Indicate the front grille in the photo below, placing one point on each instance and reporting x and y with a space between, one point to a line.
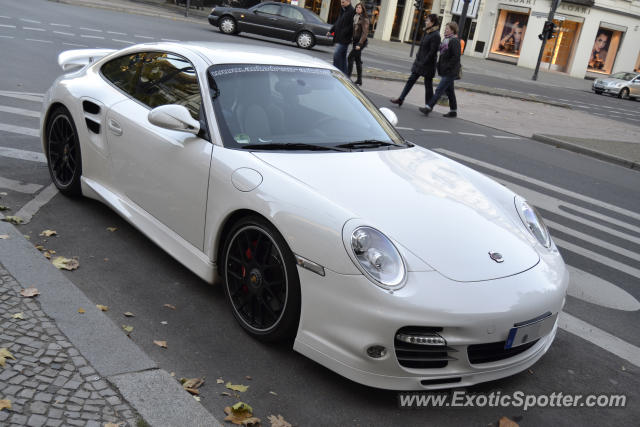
420 356
492 352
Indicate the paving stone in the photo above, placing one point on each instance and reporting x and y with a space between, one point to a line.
19 419
54 423
92 424
55 413
27 393
39 408
18 379
11 390
36 421
114 400
72 385
85 370
90 416
74 408
7 373
44 397
90 408
76 422
82 394
72 414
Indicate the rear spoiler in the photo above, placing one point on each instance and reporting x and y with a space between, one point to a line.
80 57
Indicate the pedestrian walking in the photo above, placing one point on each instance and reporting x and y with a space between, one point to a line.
360 33
343 35
425 62
448 69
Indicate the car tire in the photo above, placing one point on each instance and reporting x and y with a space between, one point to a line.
260 280
228 25
62 150
305 40
624 93
598 92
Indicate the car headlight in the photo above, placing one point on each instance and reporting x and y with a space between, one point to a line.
533 222
619 84
378 258
211 13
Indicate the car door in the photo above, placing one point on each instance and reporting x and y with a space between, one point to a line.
264 20
164 172
634 87
291 21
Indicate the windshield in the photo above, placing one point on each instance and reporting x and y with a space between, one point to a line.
278 105
623 76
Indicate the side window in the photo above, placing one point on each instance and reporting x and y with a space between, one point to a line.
123 72
270 9
292 13
168 79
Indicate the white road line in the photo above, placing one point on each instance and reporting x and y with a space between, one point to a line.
169 40
33 29
7 26
29 20
64 33
39 41
60 25
87 36
14 153
506 137
143 37
593 256
19 111
27 96
18 186
436 130
19 130
590 288
5 17
533 181
403 128
472 134
7 37
602 339
122 41
116 33
33 206
75 44
91 29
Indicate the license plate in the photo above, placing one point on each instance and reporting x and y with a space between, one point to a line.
524 334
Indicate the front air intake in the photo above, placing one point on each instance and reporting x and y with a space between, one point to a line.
422 348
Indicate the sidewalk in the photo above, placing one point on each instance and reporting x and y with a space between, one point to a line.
63 367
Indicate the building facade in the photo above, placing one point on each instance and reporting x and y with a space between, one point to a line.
592 38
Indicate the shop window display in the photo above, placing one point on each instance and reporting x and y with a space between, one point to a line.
605 48
510 30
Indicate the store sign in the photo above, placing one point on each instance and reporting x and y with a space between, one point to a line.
472 11
575 8
522 2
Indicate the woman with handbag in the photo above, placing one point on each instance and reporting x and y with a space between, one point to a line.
360 33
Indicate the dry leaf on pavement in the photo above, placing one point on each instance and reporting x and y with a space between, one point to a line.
172 307
112 229
4 236
29 292
191 384
220 381
61 263
81 310
129 314
225 393
102 307
128 329
4 208
278 421
506 422
13 219
249 377
197 398
236 387
273 392
241 414
4 355
18 316
49 233
47 254
5 404
120 424
162 344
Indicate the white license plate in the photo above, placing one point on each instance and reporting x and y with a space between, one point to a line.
524 334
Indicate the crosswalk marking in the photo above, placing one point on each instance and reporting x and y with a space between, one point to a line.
14 153
18 186
472 134
39 41
19 129
593 289
33 206
506 137
19 111
26 96
436 130
7 26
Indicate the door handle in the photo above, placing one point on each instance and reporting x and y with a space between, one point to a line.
114 127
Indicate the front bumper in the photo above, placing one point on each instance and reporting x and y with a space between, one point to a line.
323 40
606 89
213 20
343 315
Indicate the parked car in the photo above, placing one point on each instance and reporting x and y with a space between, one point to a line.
623 84
278 20
271 174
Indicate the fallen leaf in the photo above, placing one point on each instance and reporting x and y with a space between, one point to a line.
220 381
274 393
172 307
249 377
26 237
162 344
241 414
47 254
164 322
193 391
624 368
120 424
225 393
106 260
5 404
102 307
531 371
40 247
4 355
4 236
129 314
236 387
81 310
13 219
197 398
51 251
65 263
128 329
506 422
49 233
3 208
18 316
278 421
112 229
173 374
29 292
191 382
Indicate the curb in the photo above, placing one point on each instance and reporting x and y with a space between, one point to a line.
151 391
558 142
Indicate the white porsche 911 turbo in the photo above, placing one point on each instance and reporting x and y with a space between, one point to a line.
271 173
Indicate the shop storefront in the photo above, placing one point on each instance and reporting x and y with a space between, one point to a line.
511 27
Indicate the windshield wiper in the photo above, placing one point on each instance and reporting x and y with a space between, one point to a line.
292 146
366 143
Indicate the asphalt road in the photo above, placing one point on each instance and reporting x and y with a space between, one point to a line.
592 208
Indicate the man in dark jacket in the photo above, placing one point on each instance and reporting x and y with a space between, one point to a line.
425 62
448 69
343 35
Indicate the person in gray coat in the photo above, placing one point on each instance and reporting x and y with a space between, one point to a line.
425 62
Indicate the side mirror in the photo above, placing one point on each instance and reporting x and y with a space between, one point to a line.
174 117
390 115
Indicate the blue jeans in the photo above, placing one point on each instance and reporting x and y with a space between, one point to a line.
445 86
340 57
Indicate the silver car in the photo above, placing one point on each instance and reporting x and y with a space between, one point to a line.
623 84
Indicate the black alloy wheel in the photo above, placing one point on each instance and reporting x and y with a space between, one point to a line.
63 152
624 93
261 280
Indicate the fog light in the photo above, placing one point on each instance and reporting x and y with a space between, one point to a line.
376 351
422 339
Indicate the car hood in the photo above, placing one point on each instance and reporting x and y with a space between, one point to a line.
430 205
612 81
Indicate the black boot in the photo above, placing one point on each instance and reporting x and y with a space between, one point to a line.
359 71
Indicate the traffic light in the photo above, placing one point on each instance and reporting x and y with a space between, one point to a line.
547 30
